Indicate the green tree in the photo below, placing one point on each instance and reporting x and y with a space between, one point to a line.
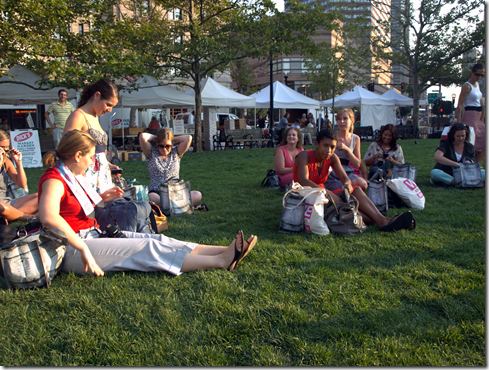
429 40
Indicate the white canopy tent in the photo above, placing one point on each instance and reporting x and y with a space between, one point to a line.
400 99
216 95
376 111
19 94
284 97
151 94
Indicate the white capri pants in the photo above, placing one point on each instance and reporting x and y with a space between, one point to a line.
137 252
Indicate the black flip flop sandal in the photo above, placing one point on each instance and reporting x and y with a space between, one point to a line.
403 221
201 207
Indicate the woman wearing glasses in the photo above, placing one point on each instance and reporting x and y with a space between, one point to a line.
164 160
474 115
453 150
23 207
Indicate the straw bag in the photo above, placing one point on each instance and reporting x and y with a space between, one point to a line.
160 218
34 259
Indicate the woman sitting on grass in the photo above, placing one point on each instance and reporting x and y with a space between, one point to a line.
66 200
12 209
163 160
453 150
311 168
384 153
348 151
290 146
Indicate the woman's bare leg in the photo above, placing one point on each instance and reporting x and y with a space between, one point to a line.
28 204
367 207
154 198
360 181
10 213
196 197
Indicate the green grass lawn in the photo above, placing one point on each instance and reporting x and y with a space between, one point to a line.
393 299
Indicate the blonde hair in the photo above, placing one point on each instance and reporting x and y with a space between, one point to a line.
351 117
4 135
164 134
72 142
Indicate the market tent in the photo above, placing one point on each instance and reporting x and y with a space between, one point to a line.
400 99
18 94
376 111
216 95
283 97
151 94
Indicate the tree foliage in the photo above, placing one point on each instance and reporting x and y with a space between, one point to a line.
429 40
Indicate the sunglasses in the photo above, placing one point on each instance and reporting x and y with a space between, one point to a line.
460 125
167 147
6 151
478 74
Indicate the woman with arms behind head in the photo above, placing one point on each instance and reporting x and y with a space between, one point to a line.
384 153
95 100
311 168
348 151
474 114
285 154
23 207
67 200
163 160
453 150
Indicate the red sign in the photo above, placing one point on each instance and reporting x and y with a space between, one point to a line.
23 136
116 122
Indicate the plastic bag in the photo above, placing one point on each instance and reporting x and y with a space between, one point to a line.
408 191
141 190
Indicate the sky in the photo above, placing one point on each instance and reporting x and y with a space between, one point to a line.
446 91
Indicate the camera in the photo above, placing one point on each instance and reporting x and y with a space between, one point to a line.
385 155
113 231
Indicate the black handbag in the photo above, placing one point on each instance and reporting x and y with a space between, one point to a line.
271 180
343 217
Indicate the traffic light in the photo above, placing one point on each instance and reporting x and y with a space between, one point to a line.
403 85
439 101
371 87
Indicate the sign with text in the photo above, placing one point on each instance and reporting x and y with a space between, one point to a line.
27 142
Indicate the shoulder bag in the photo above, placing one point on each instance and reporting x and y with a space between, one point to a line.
468 176
292 220
405 171
33 260
161 222
343 217
271 180
377 192
175 198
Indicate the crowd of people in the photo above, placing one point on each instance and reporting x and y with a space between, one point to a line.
79 178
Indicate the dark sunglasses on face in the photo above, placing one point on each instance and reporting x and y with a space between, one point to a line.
478 74
167 147
6 151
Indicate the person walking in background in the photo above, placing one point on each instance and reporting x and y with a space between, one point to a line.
261 121
320 121
61 110
474 115
282 125
154 126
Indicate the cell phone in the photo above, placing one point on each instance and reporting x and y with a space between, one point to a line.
386 155
115 172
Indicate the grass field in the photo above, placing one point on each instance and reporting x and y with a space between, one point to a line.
408 298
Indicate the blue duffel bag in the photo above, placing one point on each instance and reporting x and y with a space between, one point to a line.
130 215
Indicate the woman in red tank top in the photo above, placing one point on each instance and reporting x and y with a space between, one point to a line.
311 168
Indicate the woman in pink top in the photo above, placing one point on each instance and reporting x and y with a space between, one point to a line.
285 154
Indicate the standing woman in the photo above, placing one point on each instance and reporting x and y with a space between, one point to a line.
95 100
163 160
348 151
474 115
285 154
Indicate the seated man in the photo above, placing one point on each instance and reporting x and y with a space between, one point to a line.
154 126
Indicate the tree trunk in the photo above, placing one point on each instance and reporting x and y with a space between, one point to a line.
132 117
416 94
198 121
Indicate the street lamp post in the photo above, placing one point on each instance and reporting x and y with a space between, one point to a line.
453 102
286 77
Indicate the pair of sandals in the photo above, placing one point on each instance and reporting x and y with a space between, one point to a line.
403 221
201 207
246 247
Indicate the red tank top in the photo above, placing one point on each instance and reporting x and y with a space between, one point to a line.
69 208
312 167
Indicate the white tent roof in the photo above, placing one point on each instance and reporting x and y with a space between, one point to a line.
400 100
283 97
216 95
152 95
17 94
356 98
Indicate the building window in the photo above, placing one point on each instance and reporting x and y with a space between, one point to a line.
175 14
80 28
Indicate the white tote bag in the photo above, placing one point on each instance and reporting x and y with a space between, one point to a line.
314 199
408 191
